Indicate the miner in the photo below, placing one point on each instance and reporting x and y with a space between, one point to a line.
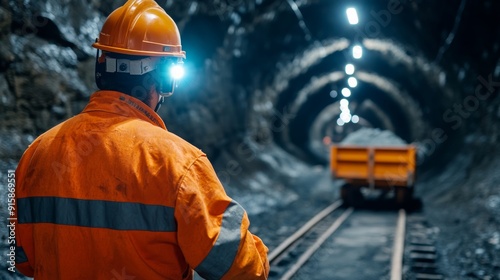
112 194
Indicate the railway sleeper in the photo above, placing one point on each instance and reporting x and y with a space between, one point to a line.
424 276
423 257
422 249
421 253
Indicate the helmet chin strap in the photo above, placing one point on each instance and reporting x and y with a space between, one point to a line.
163 93
161 99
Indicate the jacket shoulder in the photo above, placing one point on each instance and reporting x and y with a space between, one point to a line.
172 143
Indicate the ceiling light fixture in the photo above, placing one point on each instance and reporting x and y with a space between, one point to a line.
357 52
352 16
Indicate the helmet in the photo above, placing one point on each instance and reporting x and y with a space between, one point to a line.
140 27
137 38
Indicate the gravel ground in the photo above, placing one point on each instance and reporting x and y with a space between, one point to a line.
361 249
316 191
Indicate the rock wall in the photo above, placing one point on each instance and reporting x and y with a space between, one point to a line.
47 74
235 49
43 77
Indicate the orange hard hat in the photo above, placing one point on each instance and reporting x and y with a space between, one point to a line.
140 27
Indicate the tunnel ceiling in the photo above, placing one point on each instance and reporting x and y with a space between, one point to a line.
269 69
417 55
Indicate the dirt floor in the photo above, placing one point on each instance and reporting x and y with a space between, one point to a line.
461 203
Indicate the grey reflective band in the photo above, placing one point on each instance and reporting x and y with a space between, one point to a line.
20 255
96 213
221 256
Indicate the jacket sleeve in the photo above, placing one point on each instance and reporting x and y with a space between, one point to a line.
212 229
24 232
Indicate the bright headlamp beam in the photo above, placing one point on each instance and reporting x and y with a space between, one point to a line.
352 16
177 72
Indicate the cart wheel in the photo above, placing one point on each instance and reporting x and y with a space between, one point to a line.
351 196
344 194
403 196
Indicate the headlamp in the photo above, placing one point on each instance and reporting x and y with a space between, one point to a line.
177 71
167 70
171 71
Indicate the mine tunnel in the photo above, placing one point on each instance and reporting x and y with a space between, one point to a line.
271 85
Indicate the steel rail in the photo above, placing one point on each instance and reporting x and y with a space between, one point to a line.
398 247
311 250
273 256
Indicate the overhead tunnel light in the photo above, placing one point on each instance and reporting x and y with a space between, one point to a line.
344 103
349 69
352 82
346 92
355 119
345 116
352 16
357 52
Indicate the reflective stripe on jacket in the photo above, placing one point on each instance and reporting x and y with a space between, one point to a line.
111 194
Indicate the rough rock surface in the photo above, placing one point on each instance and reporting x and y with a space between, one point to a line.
46 76
463 202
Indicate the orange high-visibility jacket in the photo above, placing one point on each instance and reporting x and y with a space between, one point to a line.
111 194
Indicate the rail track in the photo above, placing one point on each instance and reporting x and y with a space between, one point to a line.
294 253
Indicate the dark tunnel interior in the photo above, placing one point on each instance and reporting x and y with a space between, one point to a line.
271 84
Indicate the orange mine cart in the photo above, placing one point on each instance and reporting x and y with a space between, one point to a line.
385 168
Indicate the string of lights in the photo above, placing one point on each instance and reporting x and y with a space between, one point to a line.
350 69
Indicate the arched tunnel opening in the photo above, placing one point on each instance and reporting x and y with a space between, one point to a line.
272 86
407 107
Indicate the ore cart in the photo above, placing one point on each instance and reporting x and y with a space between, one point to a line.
390 169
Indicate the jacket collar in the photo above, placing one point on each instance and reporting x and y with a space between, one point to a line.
122 104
